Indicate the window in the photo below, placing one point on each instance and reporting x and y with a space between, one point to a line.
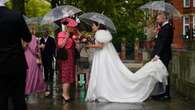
186 27
193 28
193 3
186 3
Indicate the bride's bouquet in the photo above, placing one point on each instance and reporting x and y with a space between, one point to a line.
86 37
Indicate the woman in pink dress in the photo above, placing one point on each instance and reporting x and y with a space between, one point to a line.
66 40
34 79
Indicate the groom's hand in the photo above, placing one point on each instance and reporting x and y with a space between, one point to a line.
156 57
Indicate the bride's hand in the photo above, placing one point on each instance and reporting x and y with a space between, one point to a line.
156 57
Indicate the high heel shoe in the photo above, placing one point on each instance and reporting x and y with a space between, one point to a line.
66 100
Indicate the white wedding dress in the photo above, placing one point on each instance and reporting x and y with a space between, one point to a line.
112 81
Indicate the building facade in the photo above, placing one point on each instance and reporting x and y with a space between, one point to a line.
184 27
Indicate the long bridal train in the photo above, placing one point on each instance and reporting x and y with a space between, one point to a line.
112 81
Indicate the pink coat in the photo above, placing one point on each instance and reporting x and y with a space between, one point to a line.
69 42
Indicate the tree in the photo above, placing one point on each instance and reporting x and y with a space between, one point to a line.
128 19
37 7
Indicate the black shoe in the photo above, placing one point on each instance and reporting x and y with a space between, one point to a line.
155 97
166 97
158 97
66 100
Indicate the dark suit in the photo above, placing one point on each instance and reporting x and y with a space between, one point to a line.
12 60
162 47
163 42
47 57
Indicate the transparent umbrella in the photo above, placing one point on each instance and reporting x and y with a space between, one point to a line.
50 27
59 12
34 20
100 18
161 6
37 22
25 17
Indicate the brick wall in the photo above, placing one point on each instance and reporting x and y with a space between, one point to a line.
178 22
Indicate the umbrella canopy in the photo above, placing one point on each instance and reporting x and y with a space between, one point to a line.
100 18
34 20
161 6
41 27
51 27
25 18
59 12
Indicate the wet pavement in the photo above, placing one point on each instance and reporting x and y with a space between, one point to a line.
56 103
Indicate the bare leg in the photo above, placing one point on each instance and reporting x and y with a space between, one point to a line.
66 88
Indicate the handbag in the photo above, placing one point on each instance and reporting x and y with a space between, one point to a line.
62 54
77 53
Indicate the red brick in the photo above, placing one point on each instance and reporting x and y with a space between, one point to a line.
178 22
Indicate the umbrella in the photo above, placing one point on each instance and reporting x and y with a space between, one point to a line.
161 6
34 20
25 17
51 26
41 27
59 12
100 18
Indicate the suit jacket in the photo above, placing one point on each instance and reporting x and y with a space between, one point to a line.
12 29
49 51
163 42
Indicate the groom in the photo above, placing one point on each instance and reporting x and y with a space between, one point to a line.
162 48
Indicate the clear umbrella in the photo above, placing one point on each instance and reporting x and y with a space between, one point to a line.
100 18
25 17
37 22
50 27
161 6
59 12
34 20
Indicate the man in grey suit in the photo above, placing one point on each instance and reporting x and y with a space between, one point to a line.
13 65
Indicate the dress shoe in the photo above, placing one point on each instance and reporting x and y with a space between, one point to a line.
166 97
65 100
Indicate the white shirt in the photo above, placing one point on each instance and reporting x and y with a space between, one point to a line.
166 22
45 39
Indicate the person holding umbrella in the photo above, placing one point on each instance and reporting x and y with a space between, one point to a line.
162 50
110 80
66 41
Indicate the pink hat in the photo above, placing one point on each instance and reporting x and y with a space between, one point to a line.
71 22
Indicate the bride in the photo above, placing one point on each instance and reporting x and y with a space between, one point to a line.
112 81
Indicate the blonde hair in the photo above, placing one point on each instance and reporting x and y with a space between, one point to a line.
32 29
